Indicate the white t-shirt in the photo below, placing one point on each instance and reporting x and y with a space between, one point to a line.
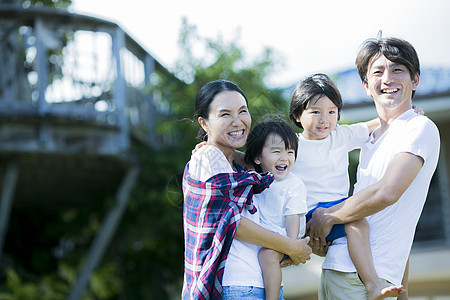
283 198
392 229
207 162
323 164
242 266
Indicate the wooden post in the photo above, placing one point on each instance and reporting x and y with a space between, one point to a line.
41 65
103 238
120 95
9 186
149 69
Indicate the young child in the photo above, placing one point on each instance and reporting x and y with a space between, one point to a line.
322 164
272 146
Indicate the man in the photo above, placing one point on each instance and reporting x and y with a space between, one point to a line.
395 170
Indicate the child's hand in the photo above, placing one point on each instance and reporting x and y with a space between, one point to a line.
418 110
286 263
198 146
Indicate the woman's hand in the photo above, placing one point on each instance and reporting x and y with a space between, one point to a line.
198 146
300 251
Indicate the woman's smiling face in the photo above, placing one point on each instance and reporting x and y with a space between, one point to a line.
228 122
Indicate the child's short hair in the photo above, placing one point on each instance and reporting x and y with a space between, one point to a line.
311 88
269 124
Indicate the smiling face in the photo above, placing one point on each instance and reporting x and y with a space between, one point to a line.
275 158
228 122
318 119
390 84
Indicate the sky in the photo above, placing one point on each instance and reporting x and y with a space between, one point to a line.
307 36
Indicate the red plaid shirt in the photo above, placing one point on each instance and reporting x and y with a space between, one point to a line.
211 215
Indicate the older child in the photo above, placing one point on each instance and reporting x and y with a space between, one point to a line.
323 166
272 147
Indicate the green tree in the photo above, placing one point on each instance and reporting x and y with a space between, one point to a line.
51 3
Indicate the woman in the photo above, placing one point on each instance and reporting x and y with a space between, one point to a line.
218 204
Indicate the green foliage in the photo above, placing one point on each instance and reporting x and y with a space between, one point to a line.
103 285
218 60
54 3
149 243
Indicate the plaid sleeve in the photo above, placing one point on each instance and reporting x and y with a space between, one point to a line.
211 215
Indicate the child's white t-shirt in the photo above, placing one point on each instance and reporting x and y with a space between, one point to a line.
323 164
282 198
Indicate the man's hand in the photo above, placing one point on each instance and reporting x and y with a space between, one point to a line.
300 252
318 229
318 249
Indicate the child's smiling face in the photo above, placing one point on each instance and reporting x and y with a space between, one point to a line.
319 118
275 158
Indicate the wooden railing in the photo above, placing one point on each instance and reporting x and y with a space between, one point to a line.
74 90
66 71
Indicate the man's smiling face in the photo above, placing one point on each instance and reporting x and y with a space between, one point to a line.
390 83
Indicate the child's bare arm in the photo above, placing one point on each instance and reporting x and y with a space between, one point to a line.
292 226
373 124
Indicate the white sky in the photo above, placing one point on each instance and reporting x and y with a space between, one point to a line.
310 36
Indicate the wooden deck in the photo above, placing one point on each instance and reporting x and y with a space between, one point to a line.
73 93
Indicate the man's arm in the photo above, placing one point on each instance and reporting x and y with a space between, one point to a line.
401 172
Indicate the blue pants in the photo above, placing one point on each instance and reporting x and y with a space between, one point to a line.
246 293
338 230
